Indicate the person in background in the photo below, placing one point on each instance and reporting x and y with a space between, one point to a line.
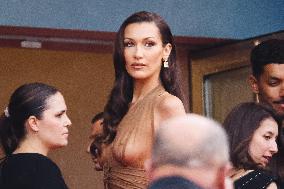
96 130
267 79
253 132
189 152
34 123
267 82
146 91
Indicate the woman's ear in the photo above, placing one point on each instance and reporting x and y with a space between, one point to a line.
253 84
167 51
33 123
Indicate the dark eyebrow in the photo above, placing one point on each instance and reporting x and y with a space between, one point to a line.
62 111
271 133
143 39
149 37
272 77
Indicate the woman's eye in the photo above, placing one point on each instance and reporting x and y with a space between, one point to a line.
128 44
59 115
149 44
267 137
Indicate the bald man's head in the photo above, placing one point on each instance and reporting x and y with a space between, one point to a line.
190 141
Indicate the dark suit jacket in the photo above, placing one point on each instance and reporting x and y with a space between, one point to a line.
173 182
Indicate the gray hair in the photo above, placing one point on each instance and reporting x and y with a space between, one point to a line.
190 141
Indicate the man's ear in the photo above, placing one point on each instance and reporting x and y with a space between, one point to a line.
223 180
253 84
33 123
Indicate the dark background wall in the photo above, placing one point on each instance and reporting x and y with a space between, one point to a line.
236 19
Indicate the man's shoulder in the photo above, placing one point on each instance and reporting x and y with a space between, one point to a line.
173 182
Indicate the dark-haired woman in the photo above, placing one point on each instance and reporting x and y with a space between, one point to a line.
253 132
34 123
145 93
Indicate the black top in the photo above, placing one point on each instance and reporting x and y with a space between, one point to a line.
30 171
256 179
173 182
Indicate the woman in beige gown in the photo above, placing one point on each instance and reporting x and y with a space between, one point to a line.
145 93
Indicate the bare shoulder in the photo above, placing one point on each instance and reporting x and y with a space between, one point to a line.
170 104
167 107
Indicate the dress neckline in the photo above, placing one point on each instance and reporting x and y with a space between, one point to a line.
146 96
240 173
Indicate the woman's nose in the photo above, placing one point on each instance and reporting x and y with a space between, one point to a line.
274 148
68 121
138 52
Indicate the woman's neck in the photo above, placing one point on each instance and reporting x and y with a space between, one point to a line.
238 173
28 146
142 88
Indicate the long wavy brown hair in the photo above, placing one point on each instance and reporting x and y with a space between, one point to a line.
122 91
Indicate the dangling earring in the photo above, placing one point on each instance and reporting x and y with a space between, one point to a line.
256 98
165 63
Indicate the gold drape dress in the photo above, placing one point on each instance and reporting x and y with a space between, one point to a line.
124 168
